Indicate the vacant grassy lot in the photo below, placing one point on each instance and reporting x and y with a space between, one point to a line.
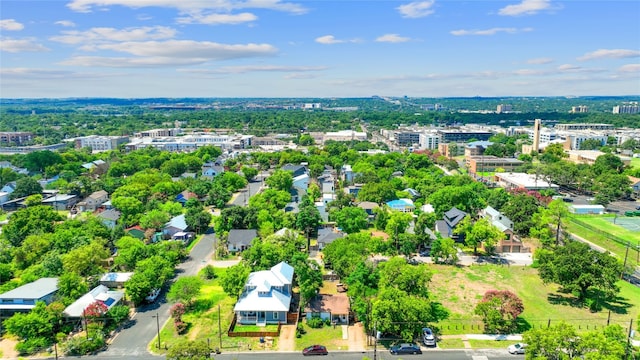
202 318
459 289
635 162
327 335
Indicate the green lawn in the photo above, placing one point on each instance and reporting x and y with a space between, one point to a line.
451 343
635 162
490 344
203 322
605 223
327 335
460 289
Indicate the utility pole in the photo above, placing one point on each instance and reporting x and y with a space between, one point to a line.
219 329
157 316
626 254
375 340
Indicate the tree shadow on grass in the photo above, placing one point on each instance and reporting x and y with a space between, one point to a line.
522 325
201 306
615 304
566 300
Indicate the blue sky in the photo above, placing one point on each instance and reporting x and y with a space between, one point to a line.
341 48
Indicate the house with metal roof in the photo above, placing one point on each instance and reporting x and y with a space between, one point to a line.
266 298
175 225
23 298
100 293
404 205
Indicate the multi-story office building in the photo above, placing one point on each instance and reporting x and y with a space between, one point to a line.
503 108
429 141
574 127
100 143
477 164
406 138
579 109
447 136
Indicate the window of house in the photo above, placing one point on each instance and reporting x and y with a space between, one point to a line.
275 315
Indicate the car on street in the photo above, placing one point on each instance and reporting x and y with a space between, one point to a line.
153 295
428 337
405 349
315 350
517 348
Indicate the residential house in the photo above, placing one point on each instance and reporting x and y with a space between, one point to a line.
511 242
296 170
175 225
322 206
450 221
93 201
413 192
353 189
97 167
266 298
61 201
347 173
100 293
23 298
301 183
9 187
240 239
327 184
115 279
212 169
18 170
185 196
403 205
334 307
109 218
369 207
328 235
4 197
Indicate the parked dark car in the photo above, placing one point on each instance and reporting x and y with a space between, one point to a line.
315 350
405 349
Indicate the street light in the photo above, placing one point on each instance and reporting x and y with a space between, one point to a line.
157 316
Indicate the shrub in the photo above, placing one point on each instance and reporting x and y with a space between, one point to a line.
177 311
33 345
315 322
80 345
181 326
208 272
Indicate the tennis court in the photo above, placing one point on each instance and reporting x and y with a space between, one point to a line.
627 222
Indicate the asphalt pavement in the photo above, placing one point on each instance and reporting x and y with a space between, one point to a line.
132 341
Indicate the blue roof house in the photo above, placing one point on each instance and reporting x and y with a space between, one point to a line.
404 205
266 297
24 298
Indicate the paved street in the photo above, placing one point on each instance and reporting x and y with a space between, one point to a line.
132 341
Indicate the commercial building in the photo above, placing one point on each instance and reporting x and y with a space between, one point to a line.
510 180
574 127
429 141
490 163
631 108
447 136
100 143
405 138
345 135
15 138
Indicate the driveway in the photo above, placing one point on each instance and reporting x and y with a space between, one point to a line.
132 341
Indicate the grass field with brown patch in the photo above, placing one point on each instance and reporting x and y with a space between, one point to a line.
460 289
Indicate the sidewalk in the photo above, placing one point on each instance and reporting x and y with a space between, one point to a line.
467 345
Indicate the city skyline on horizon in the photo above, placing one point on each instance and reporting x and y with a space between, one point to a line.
313 49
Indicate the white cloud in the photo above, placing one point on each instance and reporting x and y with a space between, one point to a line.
190 6
10 25
629 68
255 68
298 76
45 74
526 7
104 34
610 54
540 61
491 31
65 23
416 9
21 45
392 38
123 62
330 40
191 49
569 67
170 53
217 19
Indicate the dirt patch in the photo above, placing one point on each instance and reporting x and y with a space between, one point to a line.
378 233
460 290
7 349
357 339
287 340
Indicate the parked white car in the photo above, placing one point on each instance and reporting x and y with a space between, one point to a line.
153 295
517 348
